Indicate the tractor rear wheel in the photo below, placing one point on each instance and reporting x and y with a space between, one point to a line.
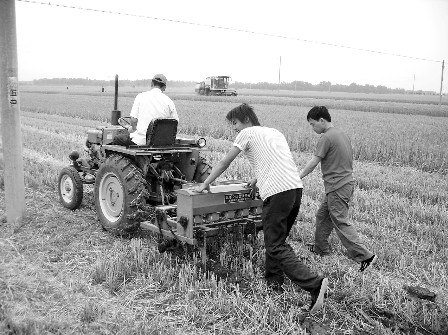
70 188
119 191
203 170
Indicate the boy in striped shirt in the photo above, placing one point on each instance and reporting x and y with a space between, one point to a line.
280 188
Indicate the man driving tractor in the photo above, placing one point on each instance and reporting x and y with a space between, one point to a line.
147 106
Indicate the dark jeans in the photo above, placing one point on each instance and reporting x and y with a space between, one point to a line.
123 139
279 214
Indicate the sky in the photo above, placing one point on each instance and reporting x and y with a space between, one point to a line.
316 40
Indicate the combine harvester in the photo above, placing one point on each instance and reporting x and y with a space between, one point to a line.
218 85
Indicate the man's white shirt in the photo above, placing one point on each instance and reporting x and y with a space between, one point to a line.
148 106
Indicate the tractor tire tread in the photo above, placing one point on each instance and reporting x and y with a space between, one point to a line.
78 191
136 194
203 170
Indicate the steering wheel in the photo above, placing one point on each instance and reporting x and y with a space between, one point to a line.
125 122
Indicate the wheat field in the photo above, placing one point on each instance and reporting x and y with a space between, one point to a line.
60 273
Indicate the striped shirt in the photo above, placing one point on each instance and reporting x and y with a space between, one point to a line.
270 157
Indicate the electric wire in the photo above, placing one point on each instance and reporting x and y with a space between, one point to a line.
227 28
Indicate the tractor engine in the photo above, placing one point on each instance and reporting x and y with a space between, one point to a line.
96 138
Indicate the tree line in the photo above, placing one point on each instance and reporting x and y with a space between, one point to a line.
325 86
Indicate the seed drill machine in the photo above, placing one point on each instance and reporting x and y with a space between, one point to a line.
150 186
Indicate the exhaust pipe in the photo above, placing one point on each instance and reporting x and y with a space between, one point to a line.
116 114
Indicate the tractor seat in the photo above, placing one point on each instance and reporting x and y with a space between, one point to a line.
161 132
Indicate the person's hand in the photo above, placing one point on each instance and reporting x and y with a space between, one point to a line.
201 188
252 184
130 129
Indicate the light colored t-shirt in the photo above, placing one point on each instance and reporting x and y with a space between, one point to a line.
148 106
270 157
335 149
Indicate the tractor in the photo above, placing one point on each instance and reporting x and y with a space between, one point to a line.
127 179
218 85
150 186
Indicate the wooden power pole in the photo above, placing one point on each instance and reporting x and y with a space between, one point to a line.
279 71
441 84
10 115
413 86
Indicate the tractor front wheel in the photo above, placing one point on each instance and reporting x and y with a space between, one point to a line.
119 191
70 188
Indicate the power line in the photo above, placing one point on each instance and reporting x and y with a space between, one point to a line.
227 28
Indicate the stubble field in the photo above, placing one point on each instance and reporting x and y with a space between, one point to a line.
60 273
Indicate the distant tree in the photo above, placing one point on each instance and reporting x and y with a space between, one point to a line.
324 86
294 85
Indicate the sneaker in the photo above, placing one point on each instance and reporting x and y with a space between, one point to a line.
317 296
311 247
275 287
368 262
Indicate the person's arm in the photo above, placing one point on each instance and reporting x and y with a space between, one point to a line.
252 184
218 169
134 114
174 111
134 121
309 167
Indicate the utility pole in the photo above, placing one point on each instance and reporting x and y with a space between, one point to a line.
413 85
279 70
441 84
10 115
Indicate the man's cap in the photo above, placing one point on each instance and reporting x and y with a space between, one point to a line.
160 78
